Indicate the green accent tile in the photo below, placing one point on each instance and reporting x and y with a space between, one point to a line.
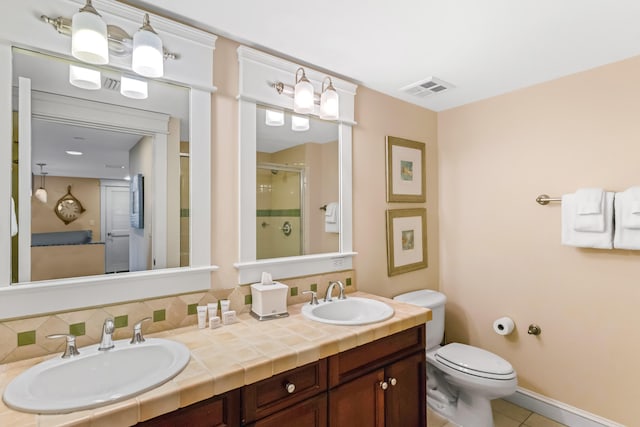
294 292
121 321
192 309
247 300
314 287
159 315
278 212
348 281
184 213
26 338
77 329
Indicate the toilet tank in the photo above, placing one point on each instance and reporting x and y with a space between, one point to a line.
432 300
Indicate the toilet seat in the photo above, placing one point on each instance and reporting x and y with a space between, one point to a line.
474 361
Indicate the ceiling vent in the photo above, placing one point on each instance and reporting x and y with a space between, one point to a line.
427 87
111 84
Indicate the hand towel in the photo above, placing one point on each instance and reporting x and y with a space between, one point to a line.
589 205
627 233
14 221
332 218
629 207
587 239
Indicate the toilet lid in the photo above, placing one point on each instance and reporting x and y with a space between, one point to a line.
474 361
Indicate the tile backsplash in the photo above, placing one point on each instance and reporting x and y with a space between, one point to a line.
27 337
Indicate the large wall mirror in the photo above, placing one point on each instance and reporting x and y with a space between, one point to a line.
295 181
130 189
297 185
91 145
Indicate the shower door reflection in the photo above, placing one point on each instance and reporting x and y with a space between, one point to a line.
279 216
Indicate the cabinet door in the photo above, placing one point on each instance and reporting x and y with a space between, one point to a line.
218 411
405 403
358 403
309 413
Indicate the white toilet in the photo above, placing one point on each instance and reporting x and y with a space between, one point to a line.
461 379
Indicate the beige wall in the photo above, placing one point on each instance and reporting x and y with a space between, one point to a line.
377 116
501 251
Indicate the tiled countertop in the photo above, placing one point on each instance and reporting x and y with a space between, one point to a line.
224 359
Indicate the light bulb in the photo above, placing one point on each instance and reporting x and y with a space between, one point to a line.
148 55
89 36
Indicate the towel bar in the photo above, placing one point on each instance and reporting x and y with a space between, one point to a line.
544 199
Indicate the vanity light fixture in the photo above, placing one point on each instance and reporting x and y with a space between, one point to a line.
304 98
148 57
92 41
274 117
133 88
329 101
89 36
41 193
84 78
299 123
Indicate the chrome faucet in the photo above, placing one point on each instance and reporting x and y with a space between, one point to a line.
327 297
70 350
106 342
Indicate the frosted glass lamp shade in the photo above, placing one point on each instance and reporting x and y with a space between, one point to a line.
329 105
303 97
41 195
133 88
299 123
89 38
274 117
84 78
148 56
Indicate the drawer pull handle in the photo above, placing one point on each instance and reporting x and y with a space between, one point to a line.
291 387
393 381
384 385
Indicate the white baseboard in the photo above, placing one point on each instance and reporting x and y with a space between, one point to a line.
557 411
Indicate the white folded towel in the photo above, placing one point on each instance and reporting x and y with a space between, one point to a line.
589 205
627 216
587 239
629 208
14 221
332 218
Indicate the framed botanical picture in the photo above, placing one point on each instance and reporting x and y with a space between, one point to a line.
406 240
406 174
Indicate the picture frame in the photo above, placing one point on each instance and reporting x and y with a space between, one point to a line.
406 173
136 202
406 240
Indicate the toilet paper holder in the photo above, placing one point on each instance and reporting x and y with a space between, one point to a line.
534 329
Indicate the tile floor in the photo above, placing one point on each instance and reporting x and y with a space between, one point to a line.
505 414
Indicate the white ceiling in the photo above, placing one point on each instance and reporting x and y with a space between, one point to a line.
484 48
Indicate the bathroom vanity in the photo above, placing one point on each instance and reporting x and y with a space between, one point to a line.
286 372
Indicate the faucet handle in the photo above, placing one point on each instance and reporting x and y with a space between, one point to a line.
137 332
70 350
314 297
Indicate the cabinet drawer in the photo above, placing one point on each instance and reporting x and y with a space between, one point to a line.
271 395
365 358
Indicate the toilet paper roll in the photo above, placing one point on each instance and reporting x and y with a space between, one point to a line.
503 326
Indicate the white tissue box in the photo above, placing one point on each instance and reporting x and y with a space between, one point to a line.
269 301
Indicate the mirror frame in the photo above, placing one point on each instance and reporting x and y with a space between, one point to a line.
22 28
258 72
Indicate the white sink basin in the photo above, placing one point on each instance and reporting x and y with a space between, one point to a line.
350 311
96 378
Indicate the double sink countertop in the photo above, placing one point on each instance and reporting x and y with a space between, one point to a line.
224 359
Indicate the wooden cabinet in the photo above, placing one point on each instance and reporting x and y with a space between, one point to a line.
380 384
218 411
284 390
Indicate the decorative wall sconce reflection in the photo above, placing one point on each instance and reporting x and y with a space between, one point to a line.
273 117
92 40
304 98
299 123
41 193
84 78
134 88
